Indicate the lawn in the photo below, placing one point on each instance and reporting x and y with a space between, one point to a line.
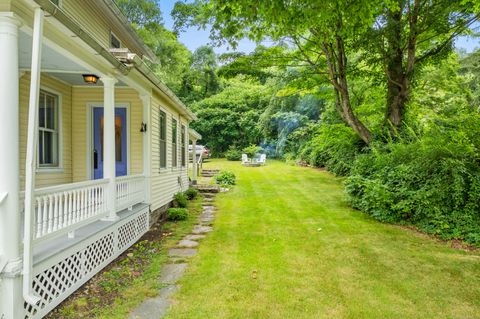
287 245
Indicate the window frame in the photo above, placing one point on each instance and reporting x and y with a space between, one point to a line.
46 168
162 156
114 36
174 141
183 138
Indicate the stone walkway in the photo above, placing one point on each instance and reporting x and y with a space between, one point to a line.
173 270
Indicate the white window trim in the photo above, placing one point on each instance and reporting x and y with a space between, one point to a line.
112 34
163 169
185 145
59 168
176 167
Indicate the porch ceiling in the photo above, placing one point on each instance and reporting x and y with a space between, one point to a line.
54 63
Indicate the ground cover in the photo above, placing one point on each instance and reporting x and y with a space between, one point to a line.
287 245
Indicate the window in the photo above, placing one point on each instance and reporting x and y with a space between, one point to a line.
174 143
48 154
183 145
163 139
115 42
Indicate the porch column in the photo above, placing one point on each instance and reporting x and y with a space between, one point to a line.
194 162
147 152
11 301
109 161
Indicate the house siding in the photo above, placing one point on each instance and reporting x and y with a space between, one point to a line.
83 98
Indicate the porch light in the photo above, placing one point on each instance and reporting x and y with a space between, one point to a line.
90 78
143 127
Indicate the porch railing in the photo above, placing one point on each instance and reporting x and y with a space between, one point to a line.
130 191
64 208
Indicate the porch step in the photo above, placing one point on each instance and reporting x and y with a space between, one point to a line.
209 172
204 188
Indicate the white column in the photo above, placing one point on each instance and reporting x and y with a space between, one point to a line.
109 144
194 162
147 152
11 301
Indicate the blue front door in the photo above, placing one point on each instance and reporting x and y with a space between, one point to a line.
120 141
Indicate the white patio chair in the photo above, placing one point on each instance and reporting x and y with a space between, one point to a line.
263 159
245 159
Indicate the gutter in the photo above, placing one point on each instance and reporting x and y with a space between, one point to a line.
61 16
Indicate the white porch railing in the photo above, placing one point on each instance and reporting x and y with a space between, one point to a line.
130 191
64 208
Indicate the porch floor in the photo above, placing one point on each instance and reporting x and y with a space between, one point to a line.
49 248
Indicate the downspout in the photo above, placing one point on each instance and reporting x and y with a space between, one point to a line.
31 160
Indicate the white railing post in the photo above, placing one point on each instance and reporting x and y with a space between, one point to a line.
11 301
109 144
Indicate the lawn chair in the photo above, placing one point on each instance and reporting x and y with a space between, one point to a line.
245 159
263 159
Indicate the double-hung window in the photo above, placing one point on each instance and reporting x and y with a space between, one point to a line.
48 130
174 142
183 145
163 140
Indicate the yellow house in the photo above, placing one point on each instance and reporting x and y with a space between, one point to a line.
92 147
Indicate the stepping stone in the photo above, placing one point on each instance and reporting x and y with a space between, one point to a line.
172 272
182 252
194 237
209 199
155 307
185 243
199 229
208 195
208 208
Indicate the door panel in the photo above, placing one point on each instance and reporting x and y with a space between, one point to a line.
120 142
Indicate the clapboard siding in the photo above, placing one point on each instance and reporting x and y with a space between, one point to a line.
62 175
164 182
83 98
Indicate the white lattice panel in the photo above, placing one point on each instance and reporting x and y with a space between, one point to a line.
54 283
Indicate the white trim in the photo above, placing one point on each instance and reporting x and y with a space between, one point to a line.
163 169
89 135
60 167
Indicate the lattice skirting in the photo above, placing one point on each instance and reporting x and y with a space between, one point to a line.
58 277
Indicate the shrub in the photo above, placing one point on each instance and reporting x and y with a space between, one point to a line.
252 150
180 200
174 214
191 193
225 178
233 155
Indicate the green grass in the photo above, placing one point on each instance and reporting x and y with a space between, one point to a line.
287 245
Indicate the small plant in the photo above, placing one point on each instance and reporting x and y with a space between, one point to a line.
191 193
252 150
233 154
180 200
174 214
225 178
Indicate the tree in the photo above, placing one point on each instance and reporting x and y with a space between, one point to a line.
327 34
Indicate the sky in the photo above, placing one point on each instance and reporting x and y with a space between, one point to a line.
194 38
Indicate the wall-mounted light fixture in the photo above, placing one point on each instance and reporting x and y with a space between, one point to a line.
143 127
90 78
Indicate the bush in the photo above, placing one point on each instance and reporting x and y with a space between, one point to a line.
180 200
191 193
433 183
225 178
233 155
174 214
252 150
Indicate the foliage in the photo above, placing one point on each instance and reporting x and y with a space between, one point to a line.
174 214
252 150
180 200
191 193
225 178
233 154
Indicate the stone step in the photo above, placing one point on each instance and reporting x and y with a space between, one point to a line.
204 188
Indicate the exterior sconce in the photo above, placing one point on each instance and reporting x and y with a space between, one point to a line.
90 78
143 127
